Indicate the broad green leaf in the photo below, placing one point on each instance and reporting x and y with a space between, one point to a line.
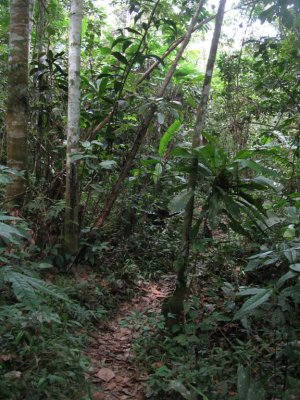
179 387
167 137
253 303
243 382
160 118
179 202
9 218
285 277
118 40
256 167
102 86
80 156
295 267
255 392
120 57
268 182
84 27
108 164
289 232
4 179
291 255
250 291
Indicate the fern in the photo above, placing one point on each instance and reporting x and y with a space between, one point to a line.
29 290
11 233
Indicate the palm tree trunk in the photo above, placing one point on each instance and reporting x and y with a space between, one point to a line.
72 190
17 101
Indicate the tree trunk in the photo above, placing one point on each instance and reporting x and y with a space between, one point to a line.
42 83
174 304
144 127
17 101
72 190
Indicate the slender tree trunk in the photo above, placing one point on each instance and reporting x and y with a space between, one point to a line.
17 101
173 46
174 304
42 82
72 190
141 133
149 71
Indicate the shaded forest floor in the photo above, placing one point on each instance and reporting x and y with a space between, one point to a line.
113 372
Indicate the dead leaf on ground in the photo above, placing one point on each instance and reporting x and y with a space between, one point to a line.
106 374
98 396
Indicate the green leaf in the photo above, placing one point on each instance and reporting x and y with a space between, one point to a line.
295 267
179 202
80 156
167 137
118 40
120 57
254 302
198 391
10 232
179 387
268 182
29 289
9 218
102 86
160 118
246 163
243 382
285 277
289 232
108 164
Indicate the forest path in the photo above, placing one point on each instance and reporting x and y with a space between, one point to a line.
110 349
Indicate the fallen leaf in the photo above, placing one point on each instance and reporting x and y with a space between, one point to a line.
106 374
13 375
6 357
111 386
98 396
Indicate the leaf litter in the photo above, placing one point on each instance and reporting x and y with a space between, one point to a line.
113 369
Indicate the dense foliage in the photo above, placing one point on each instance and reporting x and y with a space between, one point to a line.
238 335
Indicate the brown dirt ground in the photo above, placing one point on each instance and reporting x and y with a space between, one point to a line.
113 372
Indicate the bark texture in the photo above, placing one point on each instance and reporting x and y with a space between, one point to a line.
17 100
72 190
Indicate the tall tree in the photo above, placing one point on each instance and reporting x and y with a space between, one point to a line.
72 190
174 304
17 101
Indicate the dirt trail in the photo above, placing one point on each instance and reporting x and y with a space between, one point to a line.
110 351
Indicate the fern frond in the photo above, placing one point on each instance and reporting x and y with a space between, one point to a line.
29 290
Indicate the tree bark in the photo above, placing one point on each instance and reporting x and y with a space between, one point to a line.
17 100
72 190
141 133
197 140
175 303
